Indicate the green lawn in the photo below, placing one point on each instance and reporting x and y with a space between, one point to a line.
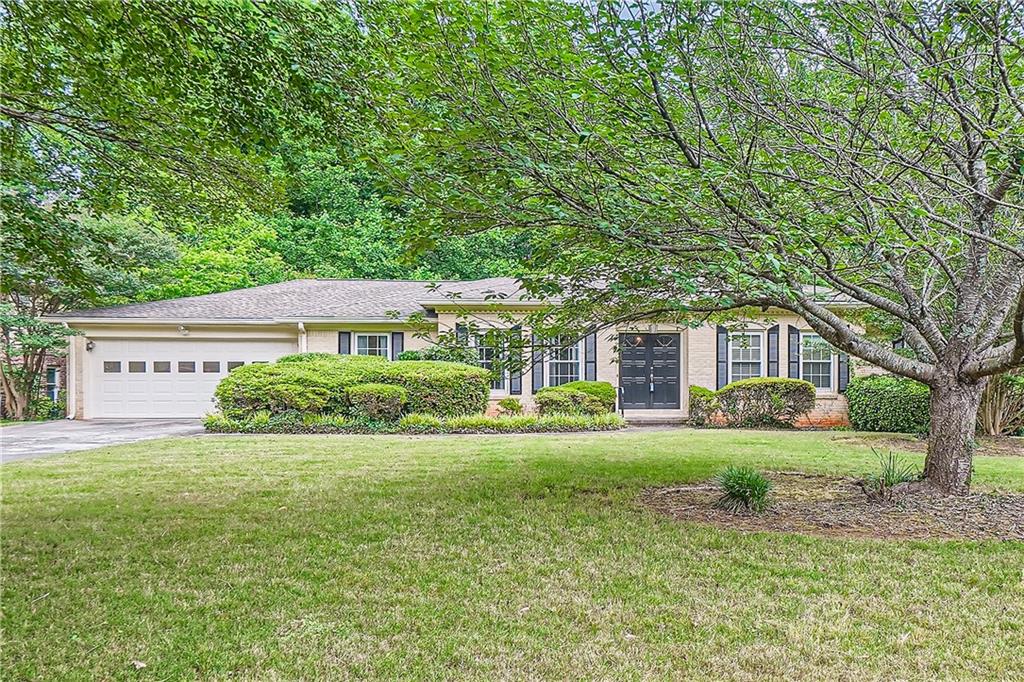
467 557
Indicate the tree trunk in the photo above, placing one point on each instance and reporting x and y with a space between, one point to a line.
954 417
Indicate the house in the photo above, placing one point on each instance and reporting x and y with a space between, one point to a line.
163 359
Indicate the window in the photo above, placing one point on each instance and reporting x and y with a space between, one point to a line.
372 344
745 355
232 364
161 366
135 367
186 367
816 361
52 383
111 367
488 352
211 367
564 361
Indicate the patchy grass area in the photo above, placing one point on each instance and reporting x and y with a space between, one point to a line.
469 557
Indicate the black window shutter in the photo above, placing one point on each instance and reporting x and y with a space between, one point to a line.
537 365
722 345
345 343
844 372
397 344
590 357
515 371
794 352
773 351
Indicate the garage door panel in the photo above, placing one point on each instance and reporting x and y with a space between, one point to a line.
173 393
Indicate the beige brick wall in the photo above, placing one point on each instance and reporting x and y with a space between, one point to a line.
326 340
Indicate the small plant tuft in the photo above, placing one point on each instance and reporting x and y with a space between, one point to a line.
882 485
509 407
743 489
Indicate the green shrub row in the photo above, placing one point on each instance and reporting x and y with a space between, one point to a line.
317 383
577 397
758 402
888 403
416 423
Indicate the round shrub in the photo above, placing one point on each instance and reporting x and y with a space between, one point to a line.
377 402
602 390
510 406
450 353
765 401
308 357
888 403
561 400
410 355
445 389
703 405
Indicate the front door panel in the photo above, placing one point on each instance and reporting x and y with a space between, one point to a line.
649 371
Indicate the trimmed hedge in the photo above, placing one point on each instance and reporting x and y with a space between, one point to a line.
765 401
321 385
888 403
377 401
416 423
577 397
703 405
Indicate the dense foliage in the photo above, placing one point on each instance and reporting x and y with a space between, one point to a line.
765 401
578 397
322 386
888 403
377 402
703 406
414 423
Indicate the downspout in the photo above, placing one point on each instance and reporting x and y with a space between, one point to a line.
302 338
69 377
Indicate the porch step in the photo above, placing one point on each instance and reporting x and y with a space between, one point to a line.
654 421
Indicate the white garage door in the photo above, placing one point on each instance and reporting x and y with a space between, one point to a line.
166 378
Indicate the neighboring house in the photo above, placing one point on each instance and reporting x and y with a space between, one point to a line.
164 358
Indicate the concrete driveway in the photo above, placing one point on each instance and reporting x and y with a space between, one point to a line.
27 441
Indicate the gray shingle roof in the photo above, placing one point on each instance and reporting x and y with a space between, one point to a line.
342 299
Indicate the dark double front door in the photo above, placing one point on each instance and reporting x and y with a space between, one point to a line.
649 371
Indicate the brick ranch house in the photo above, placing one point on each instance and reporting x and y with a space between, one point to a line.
163 359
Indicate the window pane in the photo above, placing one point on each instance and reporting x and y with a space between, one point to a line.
745 351
564 365
136 367
234 363
111 367
186 367
211 367
817 361
372 344
161 366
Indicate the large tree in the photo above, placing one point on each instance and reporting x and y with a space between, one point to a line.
697 157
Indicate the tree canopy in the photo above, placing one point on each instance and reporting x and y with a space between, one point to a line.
688 158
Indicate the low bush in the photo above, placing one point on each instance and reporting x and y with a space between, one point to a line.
565 400
743 489
410 355
703 406
888 403
602 390
509 407
377 402
318 385
416 423
318 357
765 401
450 353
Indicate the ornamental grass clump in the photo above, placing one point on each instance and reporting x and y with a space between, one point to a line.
893 473
743 489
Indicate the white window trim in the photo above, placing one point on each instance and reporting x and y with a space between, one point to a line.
387 343
474 343
548 360
764 350
833 378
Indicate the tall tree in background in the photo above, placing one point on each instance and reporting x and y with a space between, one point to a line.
701 157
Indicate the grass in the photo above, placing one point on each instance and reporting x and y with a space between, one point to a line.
503 557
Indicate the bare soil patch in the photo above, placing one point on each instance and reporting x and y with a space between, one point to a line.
989 446
837 507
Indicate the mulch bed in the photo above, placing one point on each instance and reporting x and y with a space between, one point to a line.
837 507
